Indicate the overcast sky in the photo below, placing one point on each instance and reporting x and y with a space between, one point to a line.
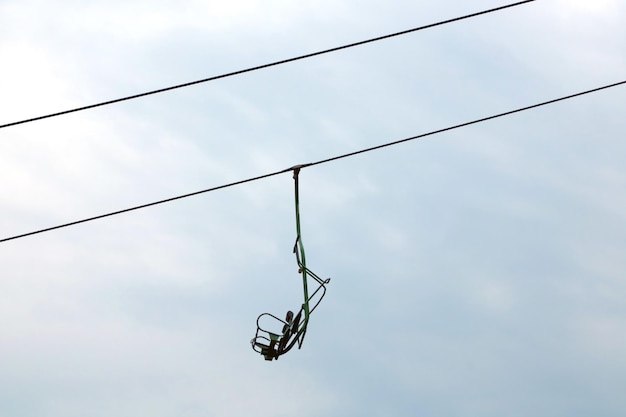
478 272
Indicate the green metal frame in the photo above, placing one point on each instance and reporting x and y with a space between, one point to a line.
273 343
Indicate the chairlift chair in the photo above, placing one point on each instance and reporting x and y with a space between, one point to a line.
274 336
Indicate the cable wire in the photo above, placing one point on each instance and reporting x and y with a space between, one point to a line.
484 119
259 67
323 161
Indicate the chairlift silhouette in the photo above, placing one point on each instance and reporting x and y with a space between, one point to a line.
274 336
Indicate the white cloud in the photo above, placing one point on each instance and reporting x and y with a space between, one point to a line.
584 8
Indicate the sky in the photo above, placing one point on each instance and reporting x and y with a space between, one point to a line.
478 272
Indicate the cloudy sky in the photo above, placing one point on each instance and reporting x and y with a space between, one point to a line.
478 272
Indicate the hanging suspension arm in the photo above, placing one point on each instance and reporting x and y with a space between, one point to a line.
298 249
